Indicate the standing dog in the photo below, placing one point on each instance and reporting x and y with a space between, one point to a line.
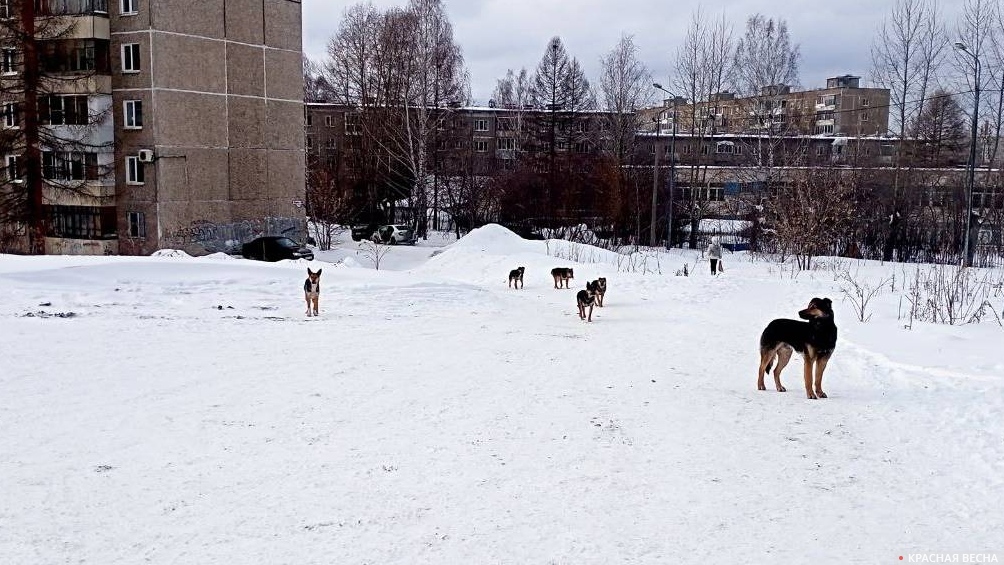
586 298
516 277
600 289
561 275
815 340
312 289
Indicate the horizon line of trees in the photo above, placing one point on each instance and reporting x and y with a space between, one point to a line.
404 73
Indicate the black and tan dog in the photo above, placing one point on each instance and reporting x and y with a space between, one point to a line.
814 339
562 275
600 289
516 277
312 289
586 298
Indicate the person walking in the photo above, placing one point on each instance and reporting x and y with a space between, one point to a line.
715 255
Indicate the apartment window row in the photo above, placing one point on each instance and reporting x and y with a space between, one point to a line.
69 165
70 7
75 56
703 193
81 222
59 109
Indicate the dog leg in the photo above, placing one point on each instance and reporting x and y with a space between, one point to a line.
316 299
783 356
590 313
808 378
820 367
307 298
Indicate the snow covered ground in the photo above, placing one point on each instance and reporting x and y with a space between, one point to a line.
184 410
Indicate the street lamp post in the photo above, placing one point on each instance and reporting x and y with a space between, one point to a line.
655 178
967 251
672 171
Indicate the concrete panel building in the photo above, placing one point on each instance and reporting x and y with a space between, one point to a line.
208 122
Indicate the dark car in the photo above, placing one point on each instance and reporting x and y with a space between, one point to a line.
363 231
275 248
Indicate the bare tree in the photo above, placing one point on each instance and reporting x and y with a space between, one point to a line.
54 133
625 87
704 70
906 58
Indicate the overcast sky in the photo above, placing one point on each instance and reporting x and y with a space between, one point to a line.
495 35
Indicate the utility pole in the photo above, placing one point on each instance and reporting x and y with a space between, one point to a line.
967 249
655 179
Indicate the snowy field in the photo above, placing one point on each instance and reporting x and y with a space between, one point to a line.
184 410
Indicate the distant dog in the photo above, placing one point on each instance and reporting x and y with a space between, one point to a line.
586 298
562 275
312 289
815 340
600 289
516 277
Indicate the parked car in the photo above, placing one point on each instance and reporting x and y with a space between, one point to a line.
275 248
362 232
394 234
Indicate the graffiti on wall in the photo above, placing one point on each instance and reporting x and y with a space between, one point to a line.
212 237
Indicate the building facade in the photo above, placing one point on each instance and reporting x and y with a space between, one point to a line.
195 140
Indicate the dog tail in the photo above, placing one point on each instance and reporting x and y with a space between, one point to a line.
769 365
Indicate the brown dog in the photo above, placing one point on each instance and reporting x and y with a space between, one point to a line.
562 275
312 289
600 290
815 340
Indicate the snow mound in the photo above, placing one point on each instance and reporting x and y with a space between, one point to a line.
169 253
349 262
220 256
493 239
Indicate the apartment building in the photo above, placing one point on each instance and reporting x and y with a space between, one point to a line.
842 108
184 120
208 98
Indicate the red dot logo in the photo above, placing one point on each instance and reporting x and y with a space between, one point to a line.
900 557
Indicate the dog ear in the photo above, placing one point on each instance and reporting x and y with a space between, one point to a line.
319 272
309 272
828 302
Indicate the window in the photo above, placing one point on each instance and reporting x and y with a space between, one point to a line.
62 110
11 115
81 222
506 144
329 121
134 170
310 120
821 150
864 101
137 224
8 61
865 117
133 114
13 168
130 7
481 125
69 165
5 11
505 124
75 55
130 58
310 142
481 146
330 143
353 124
70 7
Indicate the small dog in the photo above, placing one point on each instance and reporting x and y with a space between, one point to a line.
586 298
562 275
815 340
516 277
312 289
600 289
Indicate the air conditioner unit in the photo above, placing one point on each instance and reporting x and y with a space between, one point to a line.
146 155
